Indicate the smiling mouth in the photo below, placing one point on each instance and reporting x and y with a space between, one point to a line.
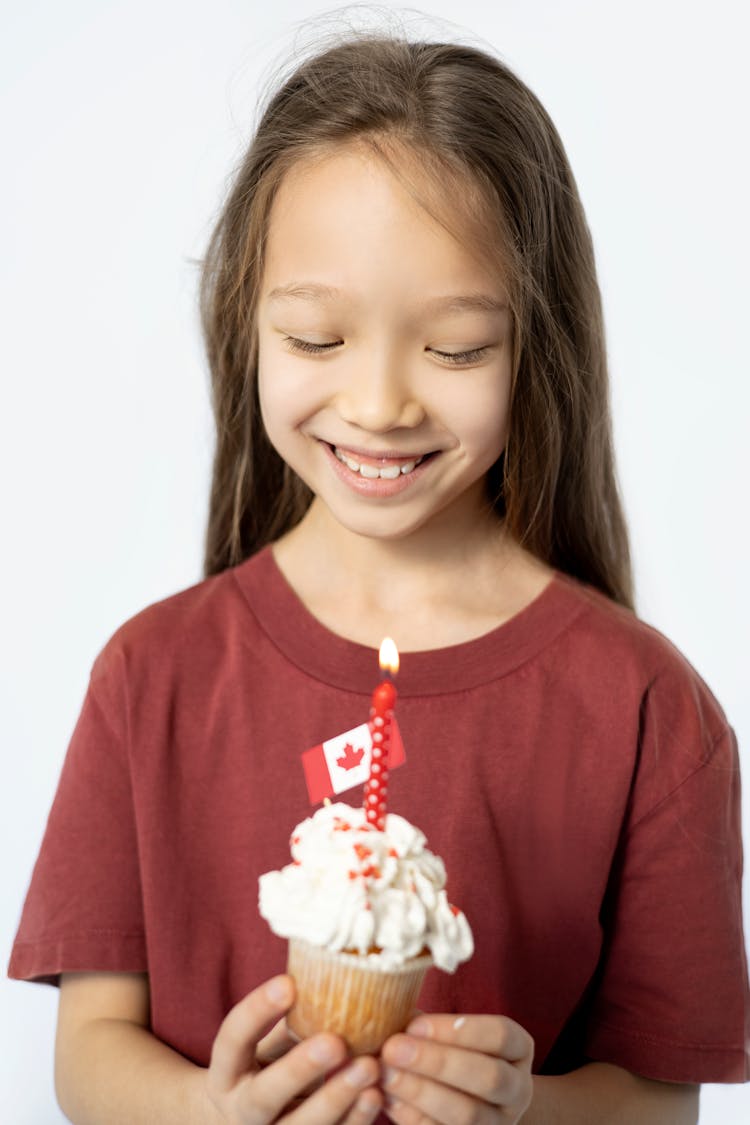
390 471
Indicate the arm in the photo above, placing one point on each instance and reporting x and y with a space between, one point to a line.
108 1065
478 1069
110 1069
602 1094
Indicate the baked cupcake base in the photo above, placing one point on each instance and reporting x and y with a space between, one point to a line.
351 995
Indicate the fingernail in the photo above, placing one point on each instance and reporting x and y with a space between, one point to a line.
358 1074
390 1076
278 990
323 1051
402 1051
420 1027
366 1110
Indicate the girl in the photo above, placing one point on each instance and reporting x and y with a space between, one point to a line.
405 337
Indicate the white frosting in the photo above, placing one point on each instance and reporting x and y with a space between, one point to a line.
352 887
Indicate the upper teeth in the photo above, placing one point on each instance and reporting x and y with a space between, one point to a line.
387 472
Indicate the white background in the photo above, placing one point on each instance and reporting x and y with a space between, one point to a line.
120 124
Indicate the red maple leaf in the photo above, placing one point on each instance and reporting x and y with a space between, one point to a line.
351 758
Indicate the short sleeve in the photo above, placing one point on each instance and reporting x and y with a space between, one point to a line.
83 909
672 997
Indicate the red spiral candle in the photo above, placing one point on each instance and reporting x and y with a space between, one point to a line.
381 716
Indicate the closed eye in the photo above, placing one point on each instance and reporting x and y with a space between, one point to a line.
456 358
296 345
462 357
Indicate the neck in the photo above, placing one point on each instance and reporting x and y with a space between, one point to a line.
442 584
389 573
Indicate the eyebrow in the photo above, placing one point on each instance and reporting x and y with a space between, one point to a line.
459 302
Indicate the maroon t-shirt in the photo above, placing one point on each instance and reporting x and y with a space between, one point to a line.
571 768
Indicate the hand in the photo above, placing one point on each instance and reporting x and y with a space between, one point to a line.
296 1084
455 1070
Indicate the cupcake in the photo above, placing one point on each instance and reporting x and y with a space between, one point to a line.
366 914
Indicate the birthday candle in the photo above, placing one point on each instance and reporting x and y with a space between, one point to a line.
381 716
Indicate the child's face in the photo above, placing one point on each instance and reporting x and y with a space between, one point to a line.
424 429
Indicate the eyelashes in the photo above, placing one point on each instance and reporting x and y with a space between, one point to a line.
453 358
472 356
296 345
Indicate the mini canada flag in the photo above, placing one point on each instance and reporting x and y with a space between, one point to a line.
343 762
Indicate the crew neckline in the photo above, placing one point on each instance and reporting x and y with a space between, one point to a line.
352 666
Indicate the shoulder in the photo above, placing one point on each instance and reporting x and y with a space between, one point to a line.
637 658
190 627
606 626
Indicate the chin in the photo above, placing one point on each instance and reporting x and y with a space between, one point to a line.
378 530
386 527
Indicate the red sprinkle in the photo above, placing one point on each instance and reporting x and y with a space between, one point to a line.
393 852
454 910
362 851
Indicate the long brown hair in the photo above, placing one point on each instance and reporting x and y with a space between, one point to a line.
476 134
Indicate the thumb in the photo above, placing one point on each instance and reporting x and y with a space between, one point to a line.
233 1054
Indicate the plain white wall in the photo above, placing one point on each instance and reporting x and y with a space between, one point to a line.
121 122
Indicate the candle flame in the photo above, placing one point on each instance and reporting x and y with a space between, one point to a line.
389 656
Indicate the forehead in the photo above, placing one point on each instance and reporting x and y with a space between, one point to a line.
330 204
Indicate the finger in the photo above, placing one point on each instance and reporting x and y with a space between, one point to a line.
410 1100
261 1097
482 1076
492 1035
366 1108
233 1051
339 1097
278 1041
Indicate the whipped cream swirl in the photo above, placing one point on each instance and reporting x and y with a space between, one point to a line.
350 887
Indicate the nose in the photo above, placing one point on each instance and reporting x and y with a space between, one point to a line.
377 396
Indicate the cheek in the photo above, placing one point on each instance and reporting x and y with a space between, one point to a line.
286 398
266 398
479 417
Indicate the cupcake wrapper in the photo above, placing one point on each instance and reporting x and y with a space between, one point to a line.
351 997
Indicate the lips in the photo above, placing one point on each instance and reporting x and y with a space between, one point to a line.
382 478
372 467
